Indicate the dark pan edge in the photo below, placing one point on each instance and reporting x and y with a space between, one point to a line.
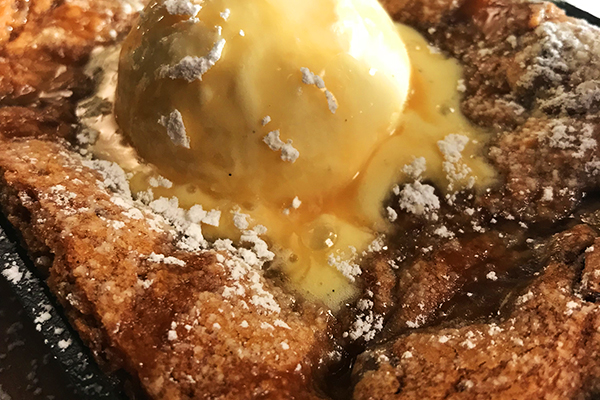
573 11
64 344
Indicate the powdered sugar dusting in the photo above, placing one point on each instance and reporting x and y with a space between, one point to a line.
225 14
114 178
309 78
563 64
456 170
565 136
416 168
160 258
13 274
182 7
367 323
288 152
346 263
419 199
176 129
193 68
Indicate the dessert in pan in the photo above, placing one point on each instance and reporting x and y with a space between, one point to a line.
318 199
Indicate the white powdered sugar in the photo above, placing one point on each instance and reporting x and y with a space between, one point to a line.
193 68
212 218
562 64
192 239
176 129
240 220
548 194
197 214
391 214
182 7
562 134
492 276
281 324
418 322
296 203
64 344
562 68
242 263
260 250
61 197
160 258
160 181
225 14
288 152
416 168
309 78
443 232
346 263
331 101
416 198
367 323
13 274
419 199
245 278
377 245
456 170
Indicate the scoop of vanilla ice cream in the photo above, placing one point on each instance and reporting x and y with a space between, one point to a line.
262 100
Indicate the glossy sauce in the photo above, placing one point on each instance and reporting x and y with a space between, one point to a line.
341 212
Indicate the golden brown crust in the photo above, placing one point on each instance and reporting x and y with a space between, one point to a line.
125 305
541 350
45 35
525 82
590 279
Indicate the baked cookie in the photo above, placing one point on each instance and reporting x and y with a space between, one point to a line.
494 297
